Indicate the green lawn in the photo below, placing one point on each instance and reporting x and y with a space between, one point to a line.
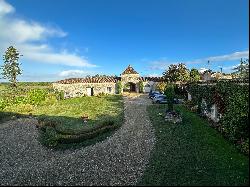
192 153
65 115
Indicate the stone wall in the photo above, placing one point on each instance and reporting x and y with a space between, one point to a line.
134 78
81 89
149 85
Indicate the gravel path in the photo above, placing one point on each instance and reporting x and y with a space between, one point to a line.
118 160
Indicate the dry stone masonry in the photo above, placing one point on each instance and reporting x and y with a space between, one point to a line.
89 86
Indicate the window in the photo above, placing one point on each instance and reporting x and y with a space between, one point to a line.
109 89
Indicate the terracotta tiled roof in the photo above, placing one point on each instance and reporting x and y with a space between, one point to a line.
129 70
89 80
155 79
107 79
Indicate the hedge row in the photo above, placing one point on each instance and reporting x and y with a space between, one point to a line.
51 136
232 100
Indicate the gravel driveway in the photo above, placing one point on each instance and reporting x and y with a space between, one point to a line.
118 160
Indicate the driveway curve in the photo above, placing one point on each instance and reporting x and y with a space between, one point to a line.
118 160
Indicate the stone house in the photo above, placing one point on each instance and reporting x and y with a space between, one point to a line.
130 79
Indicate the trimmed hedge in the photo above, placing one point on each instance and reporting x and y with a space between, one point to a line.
53 136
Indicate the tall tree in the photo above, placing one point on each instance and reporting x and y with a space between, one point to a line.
177 72
11 68
242 69
194 75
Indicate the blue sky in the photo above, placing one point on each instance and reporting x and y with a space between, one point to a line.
61 39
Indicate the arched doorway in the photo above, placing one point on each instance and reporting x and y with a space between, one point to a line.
129 87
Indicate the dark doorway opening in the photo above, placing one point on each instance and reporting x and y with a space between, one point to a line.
132 87
129 87
92 91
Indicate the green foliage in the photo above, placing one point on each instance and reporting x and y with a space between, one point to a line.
194 75
36 96
160 86
126 87
3 103
141 87
169 92
177 72
119 87
242 69
232 100
180 91
11 68
59 94
101 94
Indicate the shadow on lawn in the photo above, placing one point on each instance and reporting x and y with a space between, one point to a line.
61 132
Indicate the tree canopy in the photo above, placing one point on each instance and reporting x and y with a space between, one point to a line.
11 68
242 69
194 75
177 72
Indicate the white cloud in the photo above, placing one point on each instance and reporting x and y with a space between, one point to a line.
163 64
74 73
201 70
229 57
153 75
160 64
30 37
221 58
20 31
5 8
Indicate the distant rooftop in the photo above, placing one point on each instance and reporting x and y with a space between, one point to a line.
106 79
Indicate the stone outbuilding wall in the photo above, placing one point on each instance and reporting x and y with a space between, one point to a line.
88 86
85 89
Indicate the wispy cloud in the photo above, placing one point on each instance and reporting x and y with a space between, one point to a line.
160 64
30 39
153 75
163 64
74 73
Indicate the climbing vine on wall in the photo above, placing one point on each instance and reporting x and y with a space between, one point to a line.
232 101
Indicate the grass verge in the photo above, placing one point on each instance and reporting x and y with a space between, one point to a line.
192 153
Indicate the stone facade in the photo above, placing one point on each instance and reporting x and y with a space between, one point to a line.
85 89
77 87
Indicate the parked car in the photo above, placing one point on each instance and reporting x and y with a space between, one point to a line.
153 93
161 99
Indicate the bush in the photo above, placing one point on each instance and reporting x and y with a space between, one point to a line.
101 94
140 87
50 99
59 95
20 100
3 103
119 87
49 137
169 92
36 96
